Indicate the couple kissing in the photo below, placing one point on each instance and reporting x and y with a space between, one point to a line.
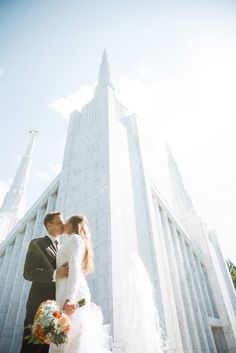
58 272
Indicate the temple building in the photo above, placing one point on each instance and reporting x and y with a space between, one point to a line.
103 177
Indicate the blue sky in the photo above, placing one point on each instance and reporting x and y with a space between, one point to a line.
172 62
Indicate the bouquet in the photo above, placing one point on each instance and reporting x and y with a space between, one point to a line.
50 324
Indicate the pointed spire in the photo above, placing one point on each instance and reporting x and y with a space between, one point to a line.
13 201
182 202
104 79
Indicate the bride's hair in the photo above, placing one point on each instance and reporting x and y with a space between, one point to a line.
79 226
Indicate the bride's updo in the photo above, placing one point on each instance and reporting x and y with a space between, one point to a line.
79 226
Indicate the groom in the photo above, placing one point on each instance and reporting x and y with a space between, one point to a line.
40 269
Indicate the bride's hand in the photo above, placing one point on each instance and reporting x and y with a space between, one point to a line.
68 307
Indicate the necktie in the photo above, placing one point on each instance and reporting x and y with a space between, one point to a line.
56 244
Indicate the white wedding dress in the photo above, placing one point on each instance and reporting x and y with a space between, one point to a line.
87 334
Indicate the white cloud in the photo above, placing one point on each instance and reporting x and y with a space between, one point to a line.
55 167
195 111
75 100
43 175
146 71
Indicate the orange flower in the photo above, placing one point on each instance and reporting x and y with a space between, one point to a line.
56 314
39 332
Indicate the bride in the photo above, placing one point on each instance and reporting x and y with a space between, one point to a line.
87 334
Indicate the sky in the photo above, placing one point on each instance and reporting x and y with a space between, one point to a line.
172 62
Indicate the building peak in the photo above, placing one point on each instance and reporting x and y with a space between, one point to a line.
168 150
14 199
104 76
104 56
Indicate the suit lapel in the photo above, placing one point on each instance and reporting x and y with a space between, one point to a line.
51 248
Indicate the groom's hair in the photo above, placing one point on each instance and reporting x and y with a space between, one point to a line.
49 217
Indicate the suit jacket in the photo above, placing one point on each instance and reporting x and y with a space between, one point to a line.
40 263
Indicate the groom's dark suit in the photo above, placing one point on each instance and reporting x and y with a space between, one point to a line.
40 264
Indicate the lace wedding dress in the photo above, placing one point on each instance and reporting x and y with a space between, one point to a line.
87 334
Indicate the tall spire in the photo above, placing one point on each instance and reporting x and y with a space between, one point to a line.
104 79
181 200
14 199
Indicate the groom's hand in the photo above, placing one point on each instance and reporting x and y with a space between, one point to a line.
62 271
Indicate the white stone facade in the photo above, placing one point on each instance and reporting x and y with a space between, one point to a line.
103 177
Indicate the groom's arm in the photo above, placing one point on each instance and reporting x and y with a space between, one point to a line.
34 270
